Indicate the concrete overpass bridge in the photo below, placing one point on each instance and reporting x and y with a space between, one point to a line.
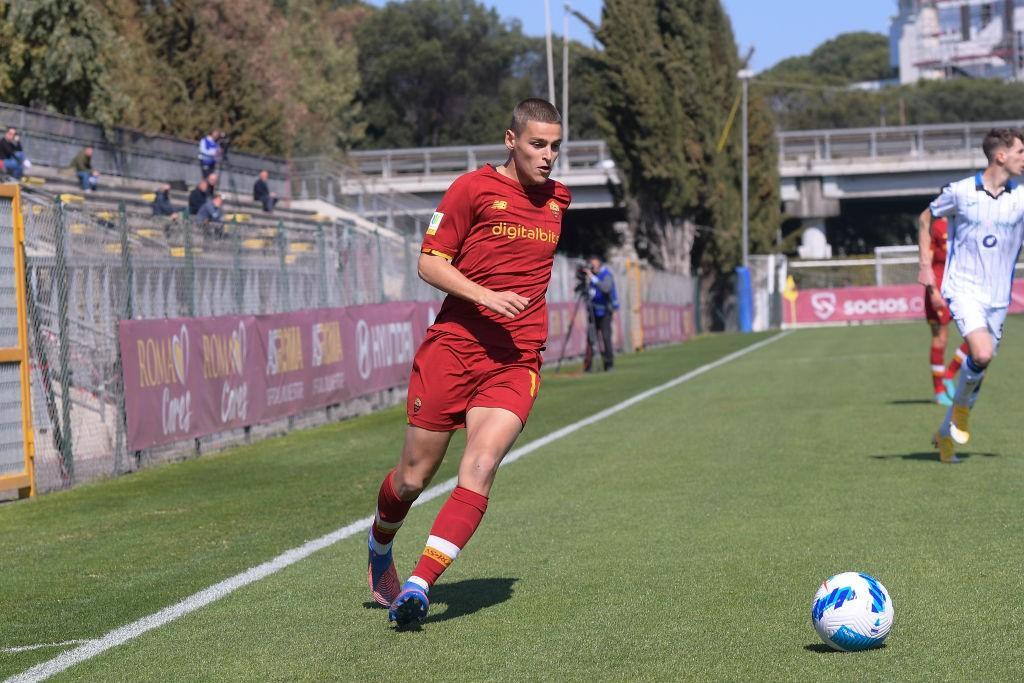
818 168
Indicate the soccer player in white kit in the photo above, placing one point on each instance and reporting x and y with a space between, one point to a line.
985 213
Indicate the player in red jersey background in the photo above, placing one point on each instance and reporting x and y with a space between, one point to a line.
490 246
932 246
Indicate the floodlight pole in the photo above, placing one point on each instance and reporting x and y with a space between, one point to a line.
744 76
564 161
551 62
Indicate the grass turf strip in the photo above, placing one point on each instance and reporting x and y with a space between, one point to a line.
683 538
92 559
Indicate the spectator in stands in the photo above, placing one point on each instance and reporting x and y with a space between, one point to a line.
211 216
12 155
261 192
210 152
88 178
199 195
211 180
162 202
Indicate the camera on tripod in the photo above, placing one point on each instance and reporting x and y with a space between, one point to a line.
582 278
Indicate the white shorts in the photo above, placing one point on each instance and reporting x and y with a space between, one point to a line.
971 315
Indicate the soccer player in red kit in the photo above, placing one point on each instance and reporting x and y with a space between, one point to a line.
490 246
931 241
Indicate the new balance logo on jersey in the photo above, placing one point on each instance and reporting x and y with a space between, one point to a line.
499 204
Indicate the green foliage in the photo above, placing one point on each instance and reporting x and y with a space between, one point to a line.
663 88
281 77
438 72
847 58
808 92
57 56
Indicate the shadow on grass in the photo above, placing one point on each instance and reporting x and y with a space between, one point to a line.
823 649
932 456
464 597
912 402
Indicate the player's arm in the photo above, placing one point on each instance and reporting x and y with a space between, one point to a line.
925 275
438 272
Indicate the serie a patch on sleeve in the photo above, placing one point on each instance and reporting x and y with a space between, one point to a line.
435 222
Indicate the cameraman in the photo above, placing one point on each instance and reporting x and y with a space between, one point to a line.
604 301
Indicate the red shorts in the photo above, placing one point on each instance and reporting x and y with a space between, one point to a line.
450 375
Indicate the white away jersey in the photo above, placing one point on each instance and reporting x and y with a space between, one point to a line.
985 235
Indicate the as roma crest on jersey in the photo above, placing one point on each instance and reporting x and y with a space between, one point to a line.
416 405
553 205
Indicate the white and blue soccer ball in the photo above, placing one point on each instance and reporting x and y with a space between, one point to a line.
852 611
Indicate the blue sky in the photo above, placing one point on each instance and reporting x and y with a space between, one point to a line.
776 28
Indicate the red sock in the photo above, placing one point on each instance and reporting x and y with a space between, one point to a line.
958 360
391 512
458 519
938 369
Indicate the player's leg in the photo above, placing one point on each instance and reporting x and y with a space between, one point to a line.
435 407
937 357
981 328
422 454
490 433
495 416
954 367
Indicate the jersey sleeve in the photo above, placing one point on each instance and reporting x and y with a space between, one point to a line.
451 222
945 204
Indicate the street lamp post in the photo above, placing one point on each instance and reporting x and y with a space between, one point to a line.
551 65
744 76
564 161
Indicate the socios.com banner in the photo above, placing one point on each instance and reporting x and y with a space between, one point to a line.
190 377
857 304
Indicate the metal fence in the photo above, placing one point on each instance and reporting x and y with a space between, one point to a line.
896 265
88 270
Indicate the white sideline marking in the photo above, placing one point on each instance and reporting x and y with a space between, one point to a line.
41 646
92 648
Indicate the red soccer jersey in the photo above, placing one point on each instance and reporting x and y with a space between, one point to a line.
939 231
501 235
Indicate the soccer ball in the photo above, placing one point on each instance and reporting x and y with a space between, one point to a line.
852 611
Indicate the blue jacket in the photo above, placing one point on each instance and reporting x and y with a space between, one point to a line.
602 292
209 150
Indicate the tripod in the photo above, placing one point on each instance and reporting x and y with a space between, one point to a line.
582 299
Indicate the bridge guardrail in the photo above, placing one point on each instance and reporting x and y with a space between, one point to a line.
872 143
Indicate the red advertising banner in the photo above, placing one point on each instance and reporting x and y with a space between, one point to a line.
854 304
860 304
667 323
189 377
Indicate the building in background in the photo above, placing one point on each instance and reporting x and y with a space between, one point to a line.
941 39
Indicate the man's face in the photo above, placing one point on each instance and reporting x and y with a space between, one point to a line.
1014 158
212 179
595 265
217 201
11 132
264 175
535 150
88 151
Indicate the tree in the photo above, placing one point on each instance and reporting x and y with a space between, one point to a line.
57 56
439 72
814 91
663 86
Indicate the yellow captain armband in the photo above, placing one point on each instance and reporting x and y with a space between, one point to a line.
435 252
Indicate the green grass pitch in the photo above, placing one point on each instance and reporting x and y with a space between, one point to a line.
682 538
